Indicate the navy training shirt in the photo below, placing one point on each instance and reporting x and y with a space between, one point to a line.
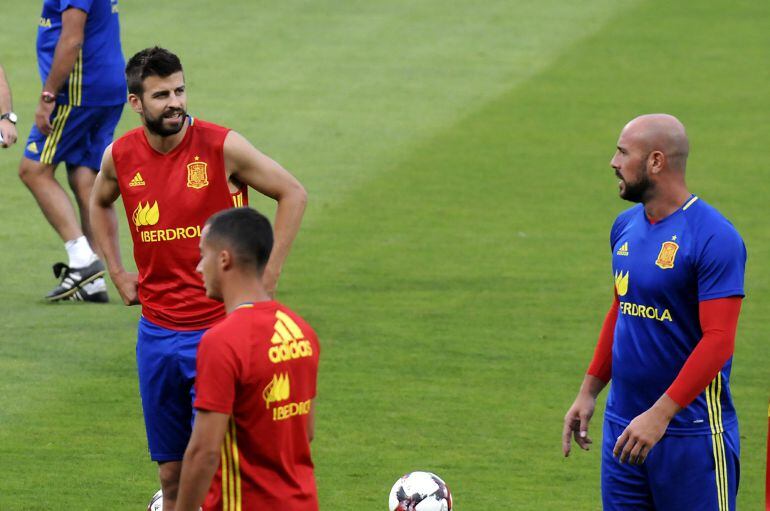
661 272
98 76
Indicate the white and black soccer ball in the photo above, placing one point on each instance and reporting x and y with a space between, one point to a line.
420 491
156 502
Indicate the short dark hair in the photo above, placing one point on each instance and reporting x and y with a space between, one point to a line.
244 231
155 61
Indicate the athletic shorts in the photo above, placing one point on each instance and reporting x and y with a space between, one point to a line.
165 360
79 137
698 472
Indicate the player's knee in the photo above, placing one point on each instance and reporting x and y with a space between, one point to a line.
30 171
169 473
25 172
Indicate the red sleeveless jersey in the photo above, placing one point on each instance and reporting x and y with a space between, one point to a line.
168 198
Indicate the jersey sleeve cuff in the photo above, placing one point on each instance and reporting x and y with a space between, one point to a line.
83 5
212 407
721 294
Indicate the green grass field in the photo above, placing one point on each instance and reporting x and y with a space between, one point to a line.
453 257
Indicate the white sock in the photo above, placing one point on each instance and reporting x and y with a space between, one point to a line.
79 252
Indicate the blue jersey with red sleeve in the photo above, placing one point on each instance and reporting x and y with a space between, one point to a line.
661 272
98 78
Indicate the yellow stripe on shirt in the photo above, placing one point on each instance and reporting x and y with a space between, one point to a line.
73 82
236 466
76 81
80 78
225 475
231 487
714 405
230 482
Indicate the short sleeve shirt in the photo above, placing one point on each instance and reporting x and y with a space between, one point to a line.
661 273
98 78
260 365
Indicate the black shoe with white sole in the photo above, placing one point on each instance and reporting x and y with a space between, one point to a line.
73 278
95 291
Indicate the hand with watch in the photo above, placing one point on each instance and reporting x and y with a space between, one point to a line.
8 129
43 112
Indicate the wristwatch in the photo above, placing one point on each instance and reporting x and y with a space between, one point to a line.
10 116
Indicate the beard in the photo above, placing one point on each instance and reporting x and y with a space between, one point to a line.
155 124
638 190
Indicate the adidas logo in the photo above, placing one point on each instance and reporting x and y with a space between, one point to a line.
288 341
623 250
137 180
32 148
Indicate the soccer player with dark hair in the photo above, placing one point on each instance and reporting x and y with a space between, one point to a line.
670 438
256 382
173 173
81 66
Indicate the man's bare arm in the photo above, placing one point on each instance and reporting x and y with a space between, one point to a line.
6 101
8 133
578 417
64 58
104 224
201 459
249 166
311 422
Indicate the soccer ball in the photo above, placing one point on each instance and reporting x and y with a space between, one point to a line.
420 491
156 502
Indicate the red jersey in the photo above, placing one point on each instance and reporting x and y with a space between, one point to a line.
259 366
168 198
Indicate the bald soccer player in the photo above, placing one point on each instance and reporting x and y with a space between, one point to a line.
670 438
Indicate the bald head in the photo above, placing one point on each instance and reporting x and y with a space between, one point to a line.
660 132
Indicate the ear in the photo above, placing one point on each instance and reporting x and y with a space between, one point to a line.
135 102
656 161
225 260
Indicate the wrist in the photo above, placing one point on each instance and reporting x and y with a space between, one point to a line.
116 273
592 386
10 117
47 97
666 407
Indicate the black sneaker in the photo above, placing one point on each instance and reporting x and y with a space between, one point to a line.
73 278
95 291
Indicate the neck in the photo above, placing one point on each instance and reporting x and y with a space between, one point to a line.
240 289
166 144
662 205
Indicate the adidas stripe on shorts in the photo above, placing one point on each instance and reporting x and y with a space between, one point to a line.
79 137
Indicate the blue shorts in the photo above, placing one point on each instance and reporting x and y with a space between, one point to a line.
681 472
166 363
79 137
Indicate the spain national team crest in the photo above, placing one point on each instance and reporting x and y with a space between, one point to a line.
667 255
196 174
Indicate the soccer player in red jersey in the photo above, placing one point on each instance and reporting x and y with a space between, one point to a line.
256 383
173 173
